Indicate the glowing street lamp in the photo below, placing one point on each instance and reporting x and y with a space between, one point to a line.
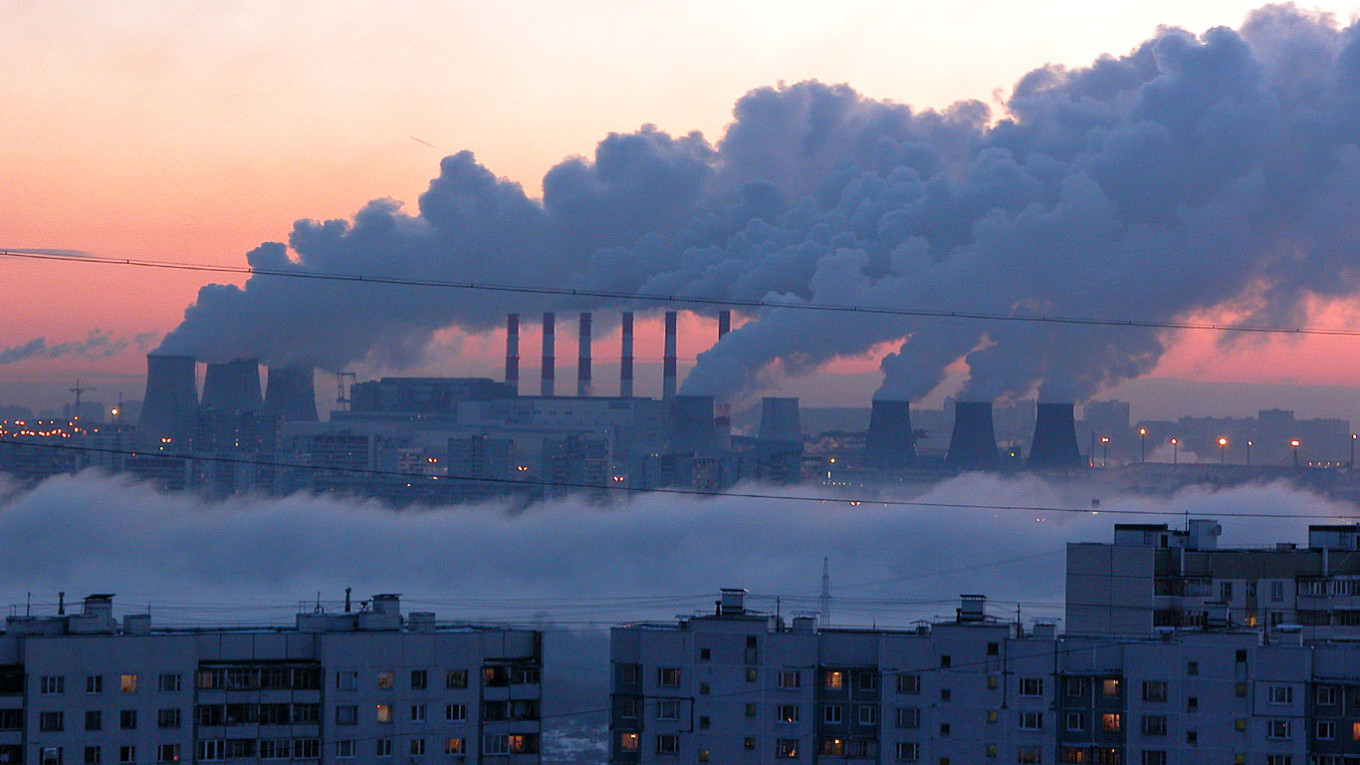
1351 464
1105 446
1222 450
1142 444
1249 445
1175 450
1294 444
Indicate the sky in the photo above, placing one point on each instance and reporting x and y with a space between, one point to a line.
195 131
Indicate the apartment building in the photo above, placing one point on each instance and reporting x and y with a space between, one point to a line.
364 685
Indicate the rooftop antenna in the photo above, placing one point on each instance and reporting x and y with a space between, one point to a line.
347 592
61 603
79 390
826 591
319 609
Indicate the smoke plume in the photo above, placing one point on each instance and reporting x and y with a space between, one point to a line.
1192 174
96 345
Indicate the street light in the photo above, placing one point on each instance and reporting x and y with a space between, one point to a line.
1249 445
1351 464
1142 444
1222 450
1294 444
1175 450
1105 445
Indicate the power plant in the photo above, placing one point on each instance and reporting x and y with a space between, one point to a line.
972 446
1055 438
890 442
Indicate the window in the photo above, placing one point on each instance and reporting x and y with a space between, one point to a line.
908 683
788 678
1240 690
1154 725
945 729
1029 754
668 743
1280 694
946 661
417 747
1031 686
383 747
868 715
787 748
833 680
752 674
1326 730
1277 590
347 680
94 683
787 713
345 749
705 722
1279 759
993 649
212 749
417 713
127 719
1154 690
945 694
832 747
831 713
909 718
1225 590
420 678
866 681
1192 668
1076 721
127 754
167 753
748 743
384 713
94 720
1154 757
170 683
52 685
668 677
93 755
993 682
750 710
1110 722
1192 737
347 715
127 683
455 678
703 689
668 709
386 679
1031 721
993 715
167 718
1109 687
51 722
1192 704
908 751
1326 695
458 712
1279 729
1075 687
629 673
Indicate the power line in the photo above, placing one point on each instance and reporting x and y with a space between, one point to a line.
680 299
629 490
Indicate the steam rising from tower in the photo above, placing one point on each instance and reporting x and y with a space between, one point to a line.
233 386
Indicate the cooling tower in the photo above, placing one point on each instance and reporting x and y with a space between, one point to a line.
692 430
233 386
890 442
171 401
724 323
1055 438
549 354
668 366
973 443
583 356
512 351
291 394
779 421
626 358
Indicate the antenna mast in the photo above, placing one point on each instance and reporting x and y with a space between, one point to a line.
826 591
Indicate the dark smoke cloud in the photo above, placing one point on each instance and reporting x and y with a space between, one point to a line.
96 345
1192 173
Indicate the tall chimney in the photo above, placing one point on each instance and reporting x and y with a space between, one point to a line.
779 421
668 373
549 354
973 443
583 356
626 359
724 322
1055 438
512 351
233 386
890 442
170 402
291 393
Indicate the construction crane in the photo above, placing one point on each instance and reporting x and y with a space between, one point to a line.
79 390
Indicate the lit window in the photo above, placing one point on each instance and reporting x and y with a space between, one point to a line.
1110 722
127 683
384 713
786 748
386 680
833 679
787 713
1109 687
628 742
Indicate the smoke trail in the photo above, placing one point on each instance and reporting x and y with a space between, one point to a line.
96 345
1190 174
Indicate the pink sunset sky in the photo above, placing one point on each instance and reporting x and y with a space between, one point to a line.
194 131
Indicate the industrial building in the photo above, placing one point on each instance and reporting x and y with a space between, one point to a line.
735 685
361 685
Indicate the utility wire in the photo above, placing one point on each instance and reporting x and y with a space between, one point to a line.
644 297
618 488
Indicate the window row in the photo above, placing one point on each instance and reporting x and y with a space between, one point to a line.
55 685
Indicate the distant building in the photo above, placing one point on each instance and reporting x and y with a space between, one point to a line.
360 686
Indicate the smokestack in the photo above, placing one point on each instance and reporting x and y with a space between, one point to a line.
724 323
779 421
692 430
668 374
973 444
890 442
549 354
291 393
626 358
583 356
512 351
171 400
1055 438
233 386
